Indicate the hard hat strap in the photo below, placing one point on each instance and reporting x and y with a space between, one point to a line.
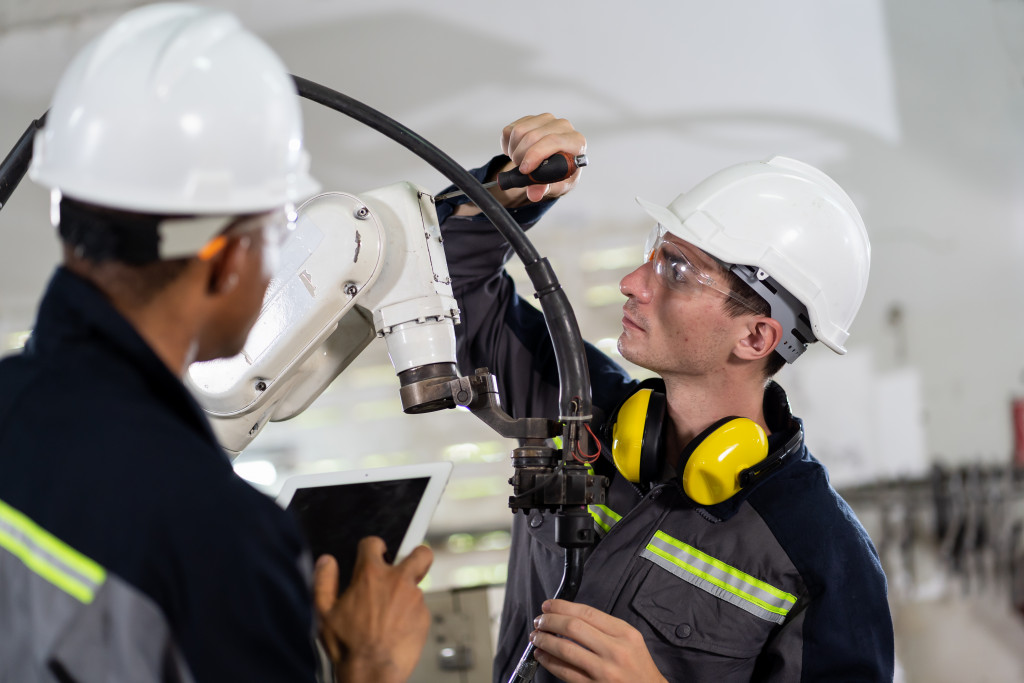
100 234
786 308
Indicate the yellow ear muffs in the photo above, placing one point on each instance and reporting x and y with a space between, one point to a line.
636 436
719 457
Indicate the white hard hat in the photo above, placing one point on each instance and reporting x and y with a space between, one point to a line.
794 227
175 109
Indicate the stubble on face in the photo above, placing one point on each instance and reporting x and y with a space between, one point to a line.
675 337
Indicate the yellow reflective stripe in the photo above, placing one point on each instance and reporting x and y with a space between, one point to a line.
48 556
718 578
604 516
747 578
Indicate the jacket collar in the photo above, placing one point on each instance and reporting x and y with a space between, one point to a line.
786 434
73 311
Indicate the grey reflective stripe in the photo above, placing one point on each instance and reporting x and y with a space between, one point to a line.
48 556
716 577
61 610
604 517
122 636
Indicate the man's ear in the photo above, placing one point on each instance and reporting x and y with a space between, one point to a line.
763 335
226 255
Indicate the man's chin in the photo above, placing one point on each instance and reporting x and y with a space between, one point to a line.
630 353
627 351
226 349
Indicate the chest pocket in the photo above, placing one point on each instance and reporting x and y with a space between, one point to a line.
694 600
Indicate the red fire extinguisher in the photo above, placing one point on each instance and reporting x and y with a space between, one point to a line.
1018 432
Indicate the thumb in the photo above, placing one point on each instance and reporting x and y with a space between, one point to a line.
417 564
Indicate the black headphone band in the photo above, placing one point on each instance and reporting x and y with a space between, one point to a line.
654 430
774 460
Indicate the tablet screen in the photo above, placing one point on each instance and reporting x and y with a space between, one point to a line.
335 518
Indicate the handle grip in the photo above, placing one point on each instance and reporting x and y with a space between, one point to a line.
555 168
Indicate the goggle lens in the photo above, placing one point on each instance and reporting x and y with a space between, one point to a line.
676 271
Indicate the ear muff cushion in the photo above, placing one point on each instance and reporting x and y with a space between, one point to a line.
651 456
718 455
636 435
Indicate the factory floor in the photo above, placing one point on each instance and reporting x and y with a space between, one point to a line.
954 625
957 636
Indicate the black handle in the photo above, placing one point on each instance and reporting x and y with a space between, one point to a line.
555 168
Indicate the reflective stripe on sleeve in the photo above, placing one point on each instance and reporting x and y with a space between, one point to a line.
48 556
604 517
716 577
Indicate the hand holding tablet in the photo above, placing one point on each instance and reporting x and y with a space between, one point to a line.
338 509
376 630
356 522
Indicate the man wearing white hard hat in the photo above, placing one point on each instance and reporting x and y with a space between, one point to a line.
129 549
723 553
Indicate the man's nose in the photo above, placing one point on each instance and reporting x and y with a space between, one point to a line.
638 284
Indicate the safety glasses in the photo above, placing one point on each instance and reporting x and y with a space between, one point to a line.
677 272
273 226
276 226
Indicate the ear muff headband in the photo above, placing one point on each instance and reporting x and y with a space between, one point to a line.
718 457
772 462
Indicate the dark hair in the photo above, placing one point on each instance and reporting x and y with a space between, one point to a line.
101 234
123 244
758 305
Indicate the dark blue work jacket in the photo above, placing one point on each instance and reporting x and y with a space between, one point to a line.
129 549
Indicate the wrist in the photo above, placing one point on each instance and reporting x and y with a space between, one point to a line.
510 199
367 668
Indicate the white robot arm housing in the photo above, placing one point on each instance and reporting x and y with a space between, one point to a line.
354 267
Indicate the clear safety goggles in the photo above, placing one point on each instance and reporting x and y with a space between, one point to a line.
677 272
199 235
274 225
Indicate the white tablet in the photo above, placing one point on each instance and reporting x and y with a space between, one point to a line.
337 509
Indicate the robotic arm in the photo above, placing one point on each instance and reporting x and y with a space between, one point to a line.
354 267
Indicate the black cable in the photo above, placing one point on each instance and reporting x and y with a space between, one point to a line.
570 356
15 164
572 575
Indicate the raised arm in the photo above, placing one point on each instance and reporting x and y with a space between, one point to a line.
500 330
